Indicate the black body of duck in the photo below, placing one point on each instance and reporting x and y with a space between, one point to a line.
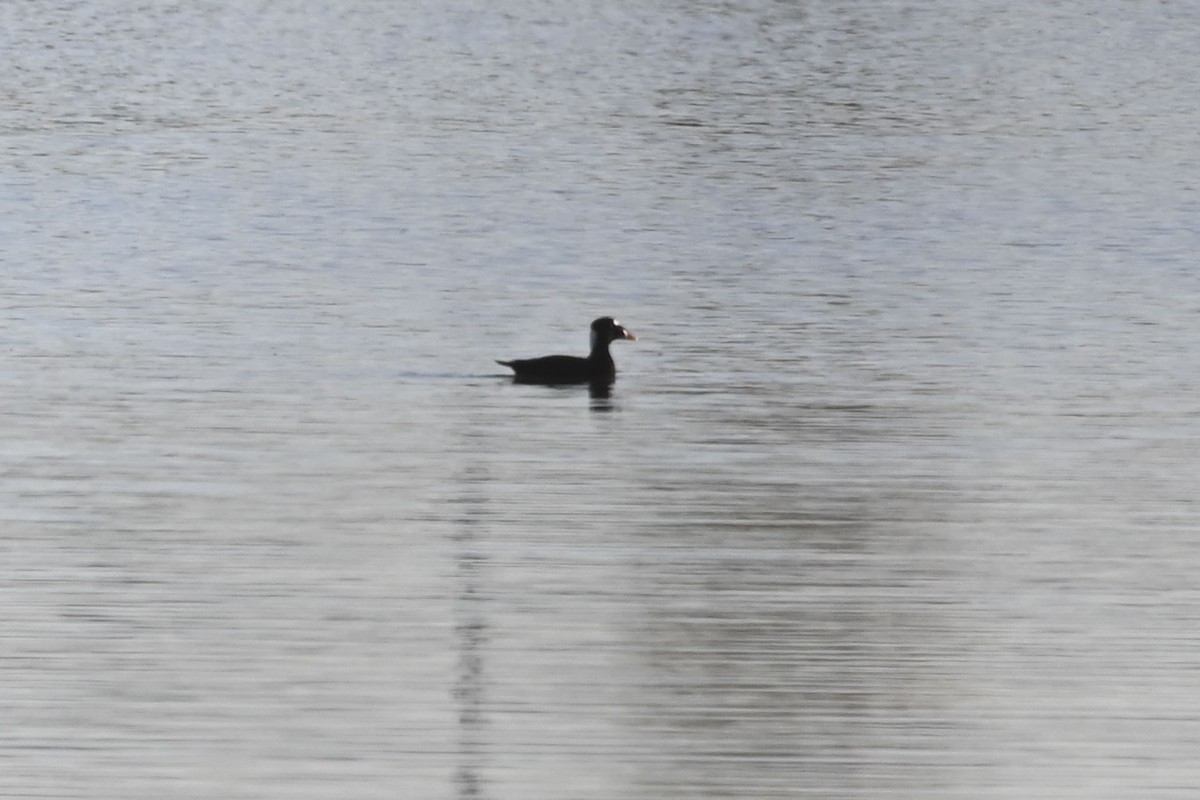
597 368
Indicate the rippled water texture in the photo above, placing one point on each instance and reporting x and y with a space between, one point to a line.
895 496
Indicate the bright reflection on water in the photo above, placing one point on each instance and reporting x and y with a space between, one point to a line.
894 498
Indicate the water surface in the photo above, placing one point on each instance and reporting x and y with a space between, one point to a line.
894 497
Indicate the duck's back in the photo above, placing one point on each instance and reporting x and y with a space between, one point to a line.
553 369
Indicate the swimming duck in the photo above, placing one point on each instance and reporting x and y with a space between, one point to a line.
597 368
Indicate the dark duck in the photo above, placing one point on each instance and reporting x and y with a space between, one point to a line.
597 369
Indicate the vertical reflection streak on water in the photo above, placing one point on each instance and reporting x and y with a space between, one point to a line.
469 693
471 628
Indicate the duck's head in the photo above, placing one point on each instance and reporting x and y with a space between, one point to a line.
607 329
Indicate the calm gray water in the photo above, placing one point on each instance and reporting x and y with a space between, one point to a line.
896 496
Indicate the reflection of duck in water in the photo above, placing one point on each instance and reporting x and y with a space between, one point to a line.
597 369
